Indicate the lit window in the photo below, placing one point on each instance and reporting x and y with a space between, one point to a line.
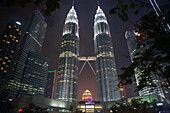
6 57
17 29
9 26
3 63
8 42
7 66
13 39
5 71
3 40
10 35
16 40
14 25
12 51
2 68
5 35
14 36
19 33
9 61
0 58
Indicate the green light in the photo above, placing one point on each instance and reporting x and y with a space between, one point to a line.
51 71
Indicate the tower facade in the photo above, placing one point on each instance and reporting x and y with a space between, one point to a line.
107 79
67 79
9 41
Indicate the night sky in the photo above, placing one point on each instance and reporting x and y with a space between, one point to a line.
86 10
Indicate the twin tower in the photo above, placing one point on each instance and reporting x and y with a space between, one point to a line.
106 76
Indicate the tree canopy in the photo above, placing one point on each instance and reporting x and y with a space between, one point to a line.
48 6
154 38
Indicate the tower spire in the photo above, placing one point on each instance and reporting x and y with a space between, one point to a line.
98 4
73 4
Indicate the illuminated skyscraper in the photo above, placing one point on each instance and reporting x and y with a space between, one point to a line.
28 75
68 60
8 44
131 42
107 79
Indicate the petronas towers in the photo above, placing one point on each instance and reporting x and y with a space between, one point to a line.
106 76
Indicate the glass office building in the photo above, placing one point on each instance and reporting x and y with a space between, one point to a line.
30 48
67 78
9 41
107 79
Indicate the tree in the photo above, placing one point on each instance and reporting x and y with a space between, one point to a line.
135 106
48 5
123 6
154 38
31 108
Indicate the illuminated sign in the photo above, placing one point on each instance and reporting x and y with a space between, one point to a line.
89 99
51 71
21 110
159 104
39 14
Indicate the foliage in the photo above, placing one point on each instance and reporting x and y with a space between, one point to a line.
50 5
153 52
123 6
34 109
136 106
153 45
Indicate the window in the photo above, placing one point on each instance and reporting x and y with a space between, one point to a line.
4 63
2 68
10 35
12 51
6 57
5 35
8 42
9 26
16 40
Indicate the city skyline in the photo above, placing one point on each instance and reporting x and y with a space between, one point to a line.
86 14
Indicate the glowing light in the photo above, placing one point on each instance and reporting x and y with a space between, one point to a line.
159 104
51 71
18 23
89 99
21 110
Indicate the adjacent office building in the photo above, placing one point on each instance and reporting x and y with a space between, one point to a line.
67 78
9 41
107 79
131 42
28 75
51 81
